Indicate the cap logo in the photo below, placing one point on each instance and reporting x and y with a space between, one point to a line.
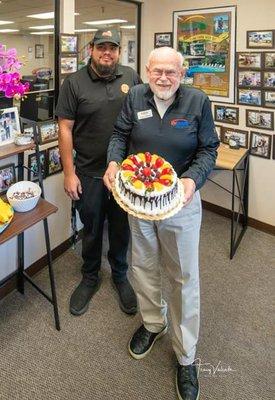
107 34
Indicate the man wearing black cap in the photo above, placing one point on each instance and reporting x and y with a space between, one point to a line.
88 105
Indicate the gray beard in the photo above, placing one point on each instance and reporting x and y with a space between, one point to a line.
103 70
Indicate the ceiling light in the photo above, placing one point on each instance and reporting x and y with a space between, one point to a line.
47 15
42 27
41 33
86 30
8 30
105 21
128 27
6 22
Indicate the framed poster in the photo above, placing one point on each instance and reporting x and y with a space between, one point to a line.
249 97
68 64
228 115
260 39
260 119
249 60
260 144
163 39
9 125
206 39
269 60
248 78
131 51
68 43
54 161
39 51
269 99
33 167
226 133
48 131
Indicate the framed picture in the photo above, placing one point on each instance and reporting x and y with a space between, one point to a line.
248 78
131 51
9 125
163 39
260 144
269 99
54 160
48 131
68 43
206 39
269 80
226 133
218 130
227 114
39 50
249 97
68 64
260 119
269 60
249 60
273 154
7 177
260 39
33 167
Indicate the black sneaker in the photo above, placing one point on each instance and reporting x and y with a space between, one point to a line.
143 341
127 297
187 383
82 295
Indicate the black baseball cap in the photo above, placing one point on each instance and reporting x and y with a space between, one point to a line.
107 35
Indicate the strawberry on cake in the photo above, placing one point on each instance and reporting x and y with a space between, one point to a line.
147 184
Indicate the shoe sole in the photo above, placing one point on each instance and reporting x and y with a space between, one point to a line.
129 311
77 313
178 393
140 356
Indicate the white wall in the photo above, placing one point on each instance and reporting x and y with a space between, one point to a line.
251 14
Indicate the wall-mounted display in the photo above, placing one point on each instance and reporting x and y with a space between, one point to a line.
248 78
269 60
7 177
249 60
269 80
249 97
48 131
39 50
260 119
227 114
206 39
269 99
240 135
68 43
218 130
9 125
68 64
260 144
163 39
54 160
33 167
131 53
260 39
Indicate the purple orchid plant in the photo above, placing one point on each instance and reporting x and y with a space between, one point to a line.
9 76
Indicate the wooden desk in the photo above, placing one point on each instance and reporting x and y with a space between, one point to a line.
236 161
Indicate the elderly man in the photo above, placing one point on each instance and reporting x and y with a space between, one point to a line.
175 122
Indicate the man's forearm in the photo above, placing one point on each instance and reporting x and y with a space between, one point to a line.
65 142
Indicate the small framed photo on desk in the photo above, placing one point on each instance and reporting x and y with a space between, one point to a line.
7 177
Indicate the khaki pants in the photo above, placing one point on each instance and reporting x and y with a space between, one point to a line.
172 243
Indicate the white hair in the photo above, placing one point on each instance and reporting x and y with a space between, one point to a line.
165 50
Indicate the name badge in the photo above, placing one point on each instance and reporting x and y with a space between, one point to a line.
144 114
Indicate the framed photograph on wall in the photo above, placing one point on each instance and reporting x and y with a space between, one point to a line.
206 39
218 130
260 119
68 43
226 114
269 80
260 39
33 167
54 161
47 131
249 60
273 154
9 125
269 60
163 39
7 177
131 47
250 97
68 64
269 99
248 78
242 135
39 51
260 144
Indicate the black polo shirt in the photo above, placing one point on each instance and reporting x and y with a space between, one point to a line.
94 104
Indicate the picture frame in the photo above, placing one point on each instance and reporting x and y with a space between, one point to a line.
260 144
33 168
39 50
249 78
273 154
68 43
258 119
9 125
269 80
263 39
54 161
226 133
218 130
206 37
226 114
7 177
251 97
47 131
131 51
269 60
269 99
250 59
163 39
68 64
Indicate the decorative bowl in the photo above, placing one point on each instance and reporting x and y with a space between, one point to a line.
24 195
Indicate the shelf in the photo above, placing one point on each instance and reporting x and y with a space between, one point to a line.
229 158
12 149
24 220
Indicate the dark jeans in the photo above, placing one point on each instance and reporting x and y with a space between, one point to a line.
94 205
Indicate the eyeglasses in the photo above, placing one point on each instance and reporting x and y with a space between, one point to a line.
169 73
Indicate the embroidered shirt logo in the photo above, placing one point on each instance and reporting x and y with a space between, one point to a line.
179 123
124 88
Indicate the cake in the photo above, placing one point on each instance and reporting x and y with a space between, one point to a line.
147 184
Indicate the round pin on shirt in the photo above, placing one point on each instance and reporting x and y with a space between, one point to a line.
124 88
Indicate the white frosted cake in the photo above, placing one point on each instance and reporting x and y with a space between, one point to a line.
147 184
